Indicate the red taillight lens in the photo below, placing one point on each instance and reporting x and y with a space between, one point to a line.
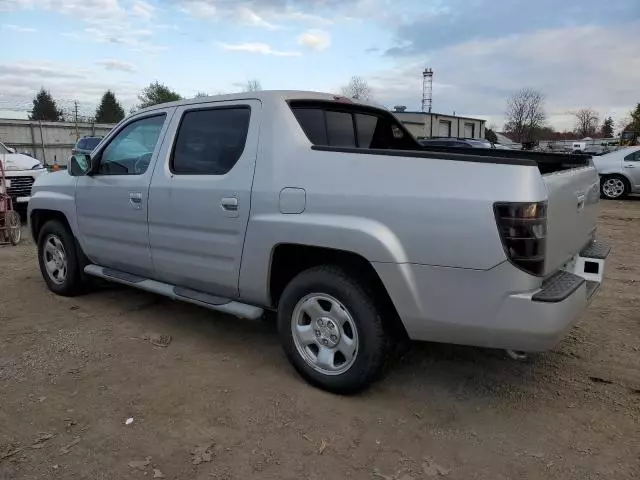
523 231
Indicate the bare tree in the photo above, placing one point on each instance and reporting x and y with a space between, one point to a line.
201 95
252 85
358 89
525 114
586 122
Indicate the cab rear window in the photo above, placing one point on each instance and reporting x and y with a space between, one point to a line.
336 124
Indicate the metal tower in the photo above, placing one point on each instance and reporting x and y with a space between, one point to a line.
427 89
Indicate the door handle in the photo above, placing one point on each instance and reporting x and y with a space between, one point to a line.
629 165
230 204
135 199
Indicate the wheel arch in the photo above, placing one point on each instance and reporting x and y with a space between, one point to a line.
288 260
38 217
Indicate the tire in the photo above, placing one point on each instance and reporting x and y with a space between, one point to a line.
346 308
56 237
614 187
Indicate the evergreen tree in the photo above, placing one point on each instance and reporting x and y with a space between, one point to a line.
157 93
109 110
45 108
490 135
607 128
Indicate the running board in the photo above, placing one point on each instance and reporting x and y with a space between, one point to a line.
202 299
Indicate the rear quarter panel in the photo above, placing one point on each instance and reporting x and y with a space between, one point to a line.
385 208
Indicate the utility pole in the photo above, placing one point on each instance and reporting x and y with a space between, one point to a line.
75 118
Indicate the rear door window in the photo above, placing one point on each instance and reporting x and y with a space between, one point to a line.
210 141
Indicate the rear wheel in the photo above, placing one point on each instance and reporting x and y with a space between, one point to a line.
331 330
58 259
614 187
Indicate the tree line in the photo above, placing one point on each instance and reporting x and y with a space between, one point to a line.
526 120
109 109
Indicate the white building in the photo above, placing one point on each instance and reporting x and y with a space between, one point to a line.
426 125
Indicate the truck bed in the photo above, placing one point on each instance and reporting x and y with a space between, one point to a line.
546 162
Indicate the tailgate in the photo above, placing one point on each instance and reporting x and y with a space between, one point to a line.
573 196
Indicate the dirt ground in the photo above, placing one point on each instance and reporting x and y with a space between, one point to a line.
221 401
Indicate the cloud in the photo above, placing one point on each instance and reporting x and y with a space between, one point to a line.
20 81
575 67
461 21
142 9
249 17
257 47
128 23
299 16
18 28
315 39
198 8
117 65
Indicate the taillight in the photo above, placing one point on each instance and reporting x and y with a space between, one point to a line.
523 231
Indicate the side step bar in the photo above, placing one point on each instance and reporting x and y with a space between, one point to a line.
202 299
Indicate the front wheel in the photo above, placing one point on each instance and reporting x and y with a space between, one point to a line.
614 187
331 329
58 259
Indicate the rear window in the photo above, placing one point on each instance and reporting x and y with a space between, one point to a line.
340 125
88 143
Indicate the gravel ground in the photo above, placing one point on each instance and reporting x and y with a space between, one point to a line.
221 401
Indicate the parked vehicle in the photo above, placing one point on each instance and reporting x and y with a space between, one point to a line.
21 172
619 172
454 142
86 144
329 212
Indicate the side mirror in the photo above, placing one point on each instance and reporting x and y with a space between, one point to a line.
11 150
79 165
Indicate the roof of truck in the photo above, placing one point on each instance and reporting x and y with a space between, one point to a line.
260 95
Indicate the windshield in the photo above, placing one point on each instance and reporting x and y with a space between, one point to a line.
4 149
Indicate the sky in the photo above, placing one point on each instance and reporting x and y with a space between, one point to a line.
579 53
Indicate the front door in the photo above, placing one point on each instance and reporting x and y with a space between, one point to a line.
111 202
200 197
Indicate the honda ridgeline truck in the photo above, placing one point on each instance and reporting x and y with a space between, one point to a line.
328 212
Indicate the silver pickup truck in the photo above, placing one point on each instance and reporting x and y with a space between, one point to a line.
329 212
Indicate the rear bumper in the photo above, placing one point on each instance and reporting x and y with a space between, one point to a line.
497 308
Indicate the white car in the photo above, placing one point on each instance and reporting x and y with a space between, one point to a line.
20 171
619 172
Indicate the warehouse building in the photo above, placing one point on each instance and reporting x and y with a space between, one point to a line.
426 125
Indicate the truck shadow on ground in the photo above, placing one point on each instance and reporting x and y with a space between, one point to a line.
417 367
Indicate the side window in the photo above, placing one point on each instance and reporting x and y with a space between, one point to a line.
382 132
312 122
633 157
210 142
130 151
356 128
340 129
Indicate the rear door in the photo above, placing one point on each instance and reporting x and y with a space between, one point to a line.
200 196
573 196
